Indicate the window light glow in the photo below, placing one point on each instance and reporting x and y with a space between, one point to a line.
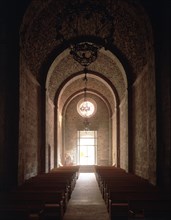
86 108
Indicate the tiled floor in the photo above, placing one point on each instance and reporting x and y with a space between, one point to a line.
86 202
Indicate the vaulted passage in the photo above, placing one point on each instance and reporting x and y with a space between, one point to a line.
85 82
86 72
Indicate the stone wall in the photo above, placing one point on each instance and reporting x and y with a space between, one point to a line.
29 125
163 91
140 144
144 130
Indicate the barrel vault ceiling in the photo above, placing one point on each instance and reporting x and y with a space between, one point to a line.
38 46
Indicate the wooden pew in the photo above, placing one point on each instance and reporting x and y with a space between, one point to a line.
15 213
60 181
130 196
43 202
152 209
13 209
140 202
44 196
128 186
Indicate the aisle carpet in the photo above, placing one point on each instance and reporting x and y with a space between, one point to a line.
86 202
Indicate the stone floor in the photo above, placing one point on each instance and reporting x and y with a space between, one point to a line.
86 202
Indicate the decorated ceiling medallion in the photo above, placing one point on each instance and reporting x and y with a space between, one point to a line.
86 108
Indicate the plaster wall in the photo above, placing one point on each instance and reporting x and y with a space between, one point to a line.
99 122
49 135
124 133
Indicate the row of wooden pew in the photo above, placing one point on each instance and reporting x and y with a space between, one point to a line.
42 197
128 196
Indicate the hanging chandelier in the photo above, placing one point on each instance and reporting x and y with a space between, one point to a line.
85 106
86 124
84 53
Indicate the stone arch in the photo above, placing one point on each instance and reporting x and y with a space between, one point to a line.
133 35
61 82
92 92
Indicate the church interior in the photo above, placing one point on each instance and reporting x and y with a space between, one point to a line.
85 83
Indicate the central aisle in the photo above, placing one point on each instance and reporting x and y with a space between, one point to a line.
86 202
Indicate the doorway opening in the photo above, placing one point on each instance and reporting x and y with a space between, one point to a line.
86 147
